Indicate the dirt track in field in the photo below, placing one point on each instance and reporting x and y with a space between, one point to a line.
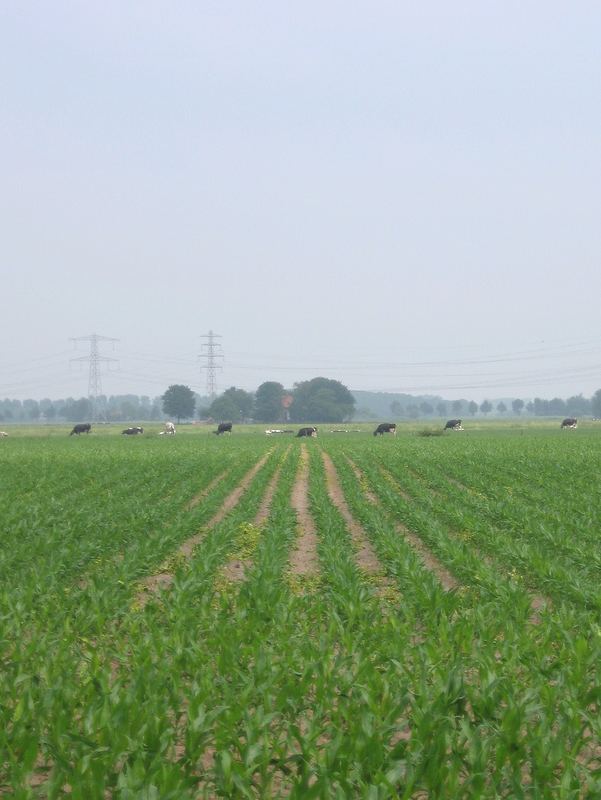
365 555
265 507
198 498
538 602
429 560
162 580
303 560
235 570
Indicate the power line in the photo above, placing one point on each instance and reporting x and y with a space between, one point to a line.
95 360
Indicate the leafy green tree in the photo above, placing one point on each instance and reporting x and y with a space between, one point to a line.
501 407
178 401
78 410
426 408
396 408
234 404
268 402
224 409
596 404
321 400
129 410
31 409
578 406
557 407
457 405
485 406
441 409
517 405
472 407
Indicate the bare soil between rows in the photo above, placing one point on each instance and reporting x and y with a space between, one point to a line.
303 560
235 570
162 580
366 558
428 559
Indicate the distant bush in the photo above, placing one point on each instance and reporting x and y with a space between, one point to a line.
430 432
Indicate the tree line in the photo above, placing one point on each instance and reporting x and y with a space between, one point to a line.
572 406
316 400
319 400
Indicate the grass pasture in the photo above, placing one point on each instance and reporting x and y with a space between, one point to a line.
248 616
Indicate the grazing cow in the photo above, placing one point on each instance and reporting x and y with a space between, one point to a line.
454 425
385 427
223 427
569 422
170 428
133 431
273 431
312 431
3 434
81 427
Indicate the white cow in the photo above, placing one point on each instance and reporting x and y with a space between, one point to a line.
3 434
169 428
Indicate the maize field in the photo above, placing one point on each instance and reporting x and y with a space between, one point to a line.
342 617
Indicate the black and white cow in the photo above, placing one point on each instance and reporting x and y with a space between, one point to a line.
223 427
81 427
169 429
385 427
454 425
310 431
132 431
569 422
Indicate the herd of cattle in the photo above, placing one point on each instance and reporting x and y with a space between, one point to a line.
226 427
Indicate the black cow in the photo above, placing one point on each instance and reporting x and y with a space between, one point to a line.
454 425
133 431
569 422
312 431
81 427
385 427
223 427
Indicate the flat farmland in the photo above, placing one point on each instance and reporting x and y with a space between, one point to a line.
250 617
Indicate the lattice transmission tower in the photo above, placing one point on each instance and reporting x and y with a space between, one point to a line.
211 354
95 359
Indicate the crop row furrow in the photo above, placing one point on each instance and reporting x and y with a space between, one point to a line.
512 543
428 559
164 577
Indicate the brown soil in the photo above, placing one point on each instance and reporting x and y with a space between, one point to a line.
230 502
369 495
206 491
366 557
428 558
163 580
446 579
304 558
538 601
263 512
235 570
388 477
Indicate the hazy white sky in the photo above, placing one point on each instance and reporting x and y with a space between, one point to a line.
403 196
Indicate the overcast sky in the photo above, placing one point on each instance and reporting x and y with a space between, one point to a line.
402 196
